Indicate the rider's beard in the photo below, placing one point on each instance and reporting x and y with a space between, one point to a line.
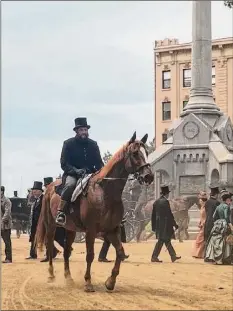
83 137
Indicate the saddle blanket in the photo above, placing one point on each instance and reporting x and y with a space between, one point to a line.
81 185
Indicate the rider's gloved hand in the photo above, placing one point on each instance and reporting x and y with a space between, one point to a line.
80 172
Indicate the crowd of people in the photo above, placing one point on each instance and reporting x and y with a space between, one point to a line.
80 155
35 198
214 240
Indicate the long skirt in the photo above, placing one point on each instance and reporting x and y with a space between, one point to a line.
199 245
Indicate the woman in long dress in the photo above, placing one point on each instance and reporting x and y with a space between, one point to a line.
219 248
199 244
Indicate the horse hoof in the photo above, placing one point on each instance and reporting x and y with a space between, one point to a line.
69 281
109 284
89 288
51 279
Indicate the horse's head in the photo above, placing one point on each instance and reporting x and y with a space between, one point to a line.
136 160
190 200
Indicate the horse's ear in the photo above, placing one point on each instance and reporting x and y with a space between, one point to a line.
144 139
132 139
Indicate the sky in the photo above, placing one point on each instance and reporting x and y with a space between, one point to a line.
62 60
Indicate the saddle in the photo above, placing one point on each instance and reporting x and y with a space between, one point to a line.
79 189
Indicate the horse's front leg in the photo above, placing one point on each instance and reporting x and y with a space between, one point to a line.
90 240
115 239
69 239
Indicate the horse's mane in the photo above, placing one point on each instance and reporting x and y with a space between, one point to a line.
113 160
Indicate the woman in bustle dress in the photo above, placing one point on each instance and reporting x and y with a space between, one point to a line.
199 244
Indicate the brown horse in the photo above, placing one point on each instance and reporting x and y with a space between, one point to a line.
179 207
99 209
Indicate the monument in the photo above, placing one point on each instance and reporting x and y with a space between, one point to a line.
199 148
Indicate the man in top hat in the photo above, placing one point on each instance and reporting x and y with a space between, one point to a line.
6 223
80 155
59 233
210 208
37 192
163 223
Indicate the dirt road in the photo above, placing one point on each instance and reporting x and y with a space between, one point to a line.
185 285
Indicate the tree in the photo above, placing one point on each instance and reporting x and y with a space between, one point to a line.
107 156
151 146
229 3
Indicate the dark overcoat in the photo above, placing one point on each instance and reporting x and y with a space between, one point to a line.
36 209
79 154
210 207
162 219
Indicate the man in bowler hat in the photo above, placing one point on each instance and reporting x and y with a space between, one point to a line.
80 155
163 224
37 192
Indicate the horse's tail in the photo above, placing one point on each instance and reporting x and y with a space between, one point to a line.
43 222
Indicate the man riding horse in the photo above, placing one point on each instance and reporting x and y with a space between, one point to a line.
80 155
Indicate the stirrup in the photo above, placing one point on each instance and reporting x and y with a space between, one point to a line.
61 218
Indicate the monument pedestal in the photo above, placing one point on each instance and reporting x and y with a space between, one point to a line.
195 155
199 148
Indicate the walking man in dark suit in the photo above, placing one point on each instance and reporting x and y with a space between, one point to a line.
59 233
35 214
163 224
210 207
105 247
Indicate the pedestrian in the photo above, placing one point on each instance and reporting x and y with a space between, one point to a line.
163 224
105 247
217 248
210 208
199 244
37 192
59 233
6 224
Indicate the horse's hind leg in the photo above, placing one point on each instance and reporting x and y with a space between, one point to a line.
90 240
115 239
50 241
69 239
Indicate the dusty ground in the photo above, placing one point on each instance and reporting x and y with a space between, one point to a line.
186 285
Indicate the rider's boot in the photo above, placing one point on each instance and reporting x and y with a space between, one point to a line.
61 216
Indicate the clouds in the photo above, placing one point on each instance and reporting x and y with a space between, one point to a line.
63 59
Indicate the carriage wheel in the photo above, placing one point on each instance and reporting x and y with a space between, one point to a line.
80 237
129 232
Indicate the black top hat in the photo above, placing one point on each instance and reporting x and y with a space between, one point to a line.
214 187
48 180
37 185
15 193
3 188
80 122
164 189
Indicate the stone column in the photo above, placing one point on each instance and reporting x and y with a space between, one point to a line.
201 95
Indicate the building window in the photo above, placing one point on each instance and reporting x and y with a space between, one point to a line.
164 137
213 75
186 77
185 103
166 106
166 79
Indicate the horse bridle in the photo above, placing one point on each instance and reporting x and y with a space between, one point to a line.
136 173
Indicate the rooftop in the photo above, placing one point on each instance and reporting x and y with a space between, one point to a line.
173 44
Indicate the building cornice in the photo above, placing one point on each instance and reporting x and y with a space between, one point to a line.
169 48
